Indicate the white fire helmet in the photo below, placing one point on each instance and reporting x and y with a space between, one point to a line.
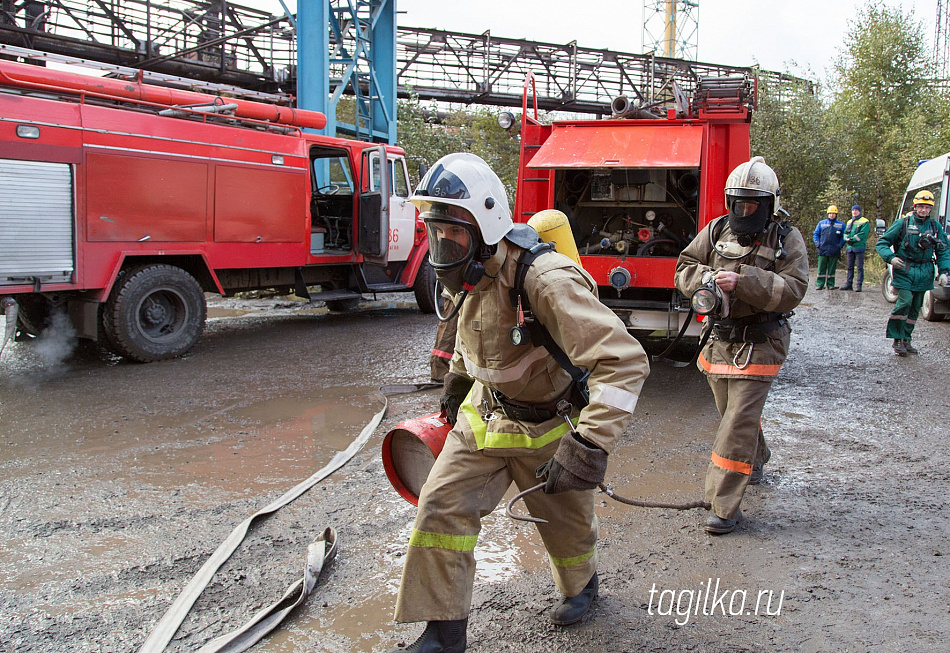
465 180
753 179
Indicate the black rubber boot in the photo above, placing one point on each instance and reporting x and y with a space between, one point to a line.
716 525
900 348
572 608
758 471
438 637
910 348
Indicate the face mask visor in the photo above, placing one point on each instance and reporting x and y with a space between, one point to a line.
749 212
452 242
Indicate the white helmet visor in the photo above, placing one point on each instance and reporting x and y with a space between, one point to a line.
442 183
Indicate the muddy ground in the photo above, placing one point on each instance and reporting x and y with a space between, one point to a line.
118 480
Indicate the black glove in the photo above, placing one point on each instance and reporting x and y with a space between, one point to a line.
576 465
454 389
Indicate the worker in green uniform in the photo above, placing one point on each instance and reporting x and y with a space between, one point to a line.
911 246
856 241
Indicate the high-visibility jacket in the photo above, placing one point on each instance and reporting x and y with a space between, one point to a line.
856 234
767 284
564 298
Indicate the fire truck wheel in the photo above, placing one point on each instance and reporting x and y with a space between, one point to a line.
154 312
32 316
424 288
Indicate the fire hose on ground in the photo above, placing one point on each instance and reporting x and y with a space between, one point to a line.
320 553
433 432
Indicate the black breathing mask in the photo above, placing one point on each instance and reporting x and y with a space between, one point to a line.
748 217
456 253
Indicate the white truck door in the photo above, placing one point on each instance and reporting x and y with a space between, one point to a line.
402 212
374 206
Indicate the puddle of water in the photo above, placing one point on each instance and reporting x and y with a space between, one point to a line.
216 312
205 460
274 442
506 548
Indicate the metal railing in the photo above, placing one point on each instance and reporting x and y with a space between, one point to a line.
224 42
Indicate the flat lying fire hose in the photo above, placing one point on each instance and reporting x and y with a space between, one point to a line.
318 555
320 552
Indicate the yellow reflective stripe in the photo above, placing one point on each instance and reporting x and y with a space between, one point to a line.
443 541
576 560
485 439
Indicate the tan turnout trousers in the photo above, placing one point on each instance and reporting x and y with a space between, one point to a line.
739 443
465 486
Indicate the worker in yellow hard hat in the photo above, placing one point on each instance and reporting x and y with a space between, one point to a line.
856 237
912 246
829 239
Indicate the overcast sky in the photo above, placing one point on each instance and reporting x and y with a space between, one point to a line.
772 33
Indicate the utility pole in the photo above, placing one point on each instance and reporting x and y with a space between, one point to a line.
941 41
671 28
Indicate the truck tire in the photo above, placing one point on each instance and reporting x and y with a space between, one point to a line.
927 309
154 312
424 288
889 292
33 316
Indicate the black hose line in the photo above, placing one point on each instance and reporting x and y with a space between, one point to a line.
653 504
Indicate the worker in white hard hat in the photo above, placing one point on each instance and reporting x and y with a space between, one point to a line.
758 264
502 394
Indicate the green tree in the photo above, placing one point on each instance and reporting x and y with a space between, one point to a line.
789 128
428 133
419 131
880 109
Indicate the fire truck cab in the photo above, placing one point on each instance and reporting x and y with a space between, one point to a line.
636 189
122 203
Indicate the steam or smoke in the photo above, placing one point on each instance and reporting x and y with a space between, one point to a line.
57 341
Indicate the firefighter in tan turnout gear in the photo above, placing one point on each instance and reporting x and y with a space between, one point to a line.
505 394
756 266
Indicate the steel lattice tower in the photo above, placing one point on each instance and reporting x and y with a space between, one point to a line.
671 28
941 40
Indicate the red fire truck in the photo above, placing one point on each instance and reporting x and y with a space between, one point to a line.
637 188
122 203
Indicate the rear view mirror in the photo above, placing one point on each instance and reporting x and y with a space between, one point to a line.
880 226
